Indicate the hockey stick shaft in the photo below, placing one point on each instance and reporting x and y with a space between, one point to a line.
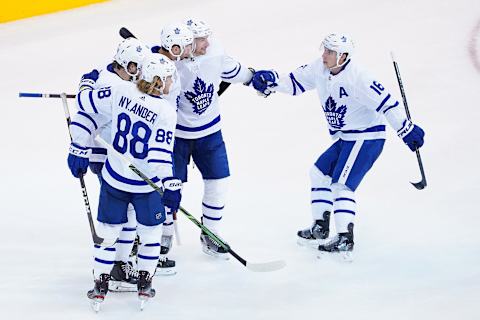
423 183
96 239
44 95
275 265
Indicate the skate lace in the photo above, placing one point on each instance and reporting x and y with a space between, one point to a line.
213 241
129 271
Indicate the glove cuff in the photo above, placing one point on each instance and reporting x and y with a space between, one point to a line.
172 184
249 82
79 151
406 129
86 84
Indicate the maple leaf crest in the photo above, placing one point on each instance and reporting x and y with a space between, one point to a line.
335 116
202 96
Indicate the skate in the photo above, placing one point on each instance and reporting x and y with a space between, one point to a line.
99 291
144 287
165 244
212 247
316 234
165 267
341 245
123 277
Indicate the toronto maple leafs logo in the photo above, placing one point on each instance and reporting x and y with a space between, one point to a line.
139 49
335 116
202 97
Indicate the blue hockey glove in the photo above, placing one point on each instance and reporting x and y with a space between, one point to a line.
413 137
264 81
88 80
96 167
78 160
172 193
156 49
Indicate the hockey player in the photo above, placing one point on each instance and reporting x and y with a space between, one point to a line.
126 66
356 106
176 44
142 128
198 132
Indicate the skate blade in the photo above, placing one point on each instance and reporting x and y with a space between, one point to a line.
342 257
121 286
143 302
96 303
165 272
313 244
220 256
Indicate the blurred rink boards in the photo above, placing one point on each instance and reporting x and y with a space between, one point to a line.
14 10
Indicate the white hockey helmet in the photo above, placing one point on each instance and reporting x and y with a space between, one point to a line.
158 65
199 28
177 34
340 43
131 50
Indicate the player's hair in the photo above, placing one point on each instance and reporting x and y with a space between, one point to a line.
150 87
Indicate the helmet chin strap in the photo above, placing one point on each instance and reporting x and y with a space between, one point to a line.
339 56
177 57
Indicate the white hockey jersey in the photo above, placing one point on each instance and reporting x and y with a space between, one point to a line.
355 103
142 128
198 108
107 77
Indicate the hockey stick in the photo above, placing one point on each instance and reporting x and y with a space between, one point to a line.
44 95
257 267
125 34
423 183
96 239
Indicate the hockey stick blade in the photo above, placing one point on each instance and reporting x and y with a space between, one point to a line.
423 183
266 266
125 33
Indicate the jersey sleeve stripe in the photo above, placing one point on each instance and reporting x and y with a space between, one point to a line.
225 73
90 97
230 77
89 118
79 102
81 126
390 107
383 102
296 83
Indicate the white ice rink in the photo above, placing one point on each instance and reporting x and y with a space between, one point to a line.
417 252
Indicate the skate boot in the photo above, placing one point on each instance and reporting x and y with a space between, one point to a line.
317 233
341 244
212 247
144 287
165 244
99 291
165 267
123 277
